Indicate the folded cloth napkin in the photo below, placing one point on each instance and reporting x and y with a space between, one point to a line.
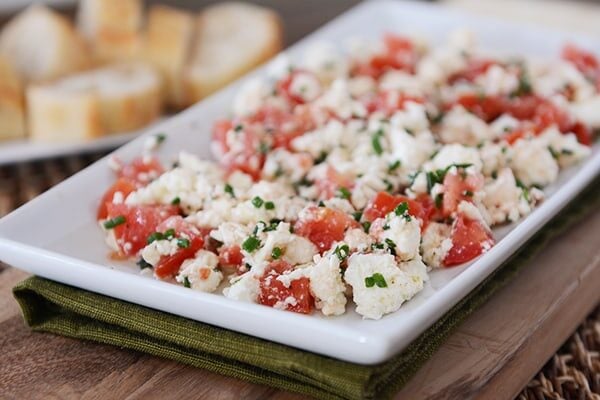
52 307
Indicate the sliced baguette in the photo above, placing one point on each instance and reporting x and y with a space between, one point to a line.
231 39
169 37
12 113
43 45
113 28
117 98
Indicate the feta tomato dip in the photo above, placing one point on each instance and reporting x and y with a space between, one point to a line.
348 176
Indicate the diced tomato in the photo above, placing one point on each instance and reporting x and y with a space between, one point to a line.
473 69
399 54
459 187
488 108
547 114
168 266
389 101
384 203
231 256
469 239
523 107
584 61
122 185
140 222
583 134
249 159
333 181
323 226
515 135
142 170
273 292
428 210
219 135
283 126
180 226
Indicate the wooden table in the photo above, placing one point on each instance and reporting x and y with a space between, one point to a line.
492 355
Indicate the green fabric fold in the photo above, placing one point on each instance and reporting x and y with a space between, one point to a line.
53 307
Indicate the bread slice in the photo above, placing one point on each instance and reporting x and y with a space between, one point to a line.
117 98
232 38
169 38
113 28
12 113
43 45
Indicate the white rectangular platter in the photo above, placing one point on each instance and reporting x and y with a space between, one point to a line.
56 235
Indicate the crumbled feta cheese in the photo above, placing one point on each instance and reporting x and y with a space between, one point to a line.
498 81
327 287
200 272
405 233
358 240
250 97
244 287
231 233
326 62
533 163
504 200
153 252
375 301
305 86
339 100
436 244
457 154
587 111
460 126
564 147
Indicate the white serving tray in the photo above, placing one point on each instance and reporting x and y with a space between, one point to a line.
56 235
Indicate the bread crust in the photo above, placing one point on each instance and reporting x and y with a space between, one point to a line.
12 108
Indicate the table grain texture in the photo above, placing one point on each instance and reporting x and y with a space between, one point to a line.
492 355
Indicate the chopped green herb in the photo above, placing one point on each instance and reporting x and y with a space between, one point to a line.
238 128
394 166
116 221
321 157
342 252
439 199
264 148
176 201
375 280
366 226
183 243
386 227
409 131
229 190
248 266
155 236
143 264
389 187
555 155
344 193
524 188
276 253
376 142
257 202
251 244
524 84
321 203
186 282
391 246
494 174
357 215
160 137
379 246
468 193
566 152
169 234
401 209
269 205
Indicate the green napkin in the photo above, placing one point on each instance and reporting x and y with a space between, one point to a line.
52 307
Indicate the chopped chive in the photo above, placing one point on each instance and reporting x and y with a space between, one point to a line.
154 236
357 215
183 243
186 282
376 142
375 280
176 201
321 204
468 193
566 152
401 209
160 137
114 222
257 202
391 246
276 253
238 128
342 252
169 234
321 158
366 226
495 174
264 148
394 166
269 205
229 190
248 266
439 199
344 193
251 244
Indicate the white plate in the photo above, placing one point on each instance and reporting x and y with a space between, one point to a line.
56 235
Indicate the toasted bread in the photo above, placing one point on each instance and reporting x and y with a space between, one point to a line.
12 113
113 28
117 98
43 45
231 39
169 37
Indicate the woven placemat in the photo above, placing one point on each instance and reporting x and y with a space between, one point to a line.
572 373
